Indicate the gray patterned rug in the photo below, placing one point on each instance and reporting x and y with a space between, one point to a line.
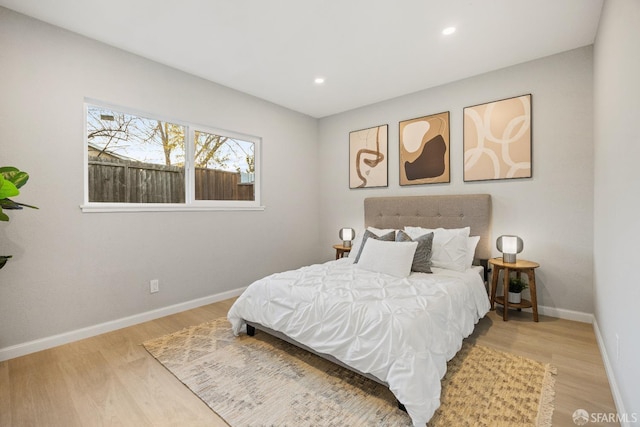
261 380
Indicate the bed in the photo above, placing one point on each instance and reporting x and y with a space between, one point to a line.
364 313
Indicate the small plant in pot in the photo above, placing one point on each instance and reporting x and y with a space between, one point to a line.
516 286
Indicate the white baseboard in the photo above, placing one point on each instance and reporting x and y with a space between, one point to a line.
615 391
561 313
18 350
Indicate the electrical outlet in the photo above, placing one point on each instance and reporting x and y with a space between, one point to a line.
154 286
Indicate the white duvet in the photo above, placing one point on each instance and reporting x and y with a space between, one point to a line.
402 331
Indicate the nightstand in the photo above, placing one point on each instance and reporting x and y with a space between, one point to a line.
341 250
519 267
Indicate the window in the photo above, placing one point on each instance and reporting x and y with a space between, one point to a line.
140 162
224 166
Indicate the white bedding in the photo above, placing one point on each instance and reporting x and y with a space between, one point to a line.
403 331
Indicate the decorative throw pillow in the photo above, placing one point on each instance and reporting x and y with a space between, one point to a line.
381 231
357 242
388 257
449 246
389 237
422 257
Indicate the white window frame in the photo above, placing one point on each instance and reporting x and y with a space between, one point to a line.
190 203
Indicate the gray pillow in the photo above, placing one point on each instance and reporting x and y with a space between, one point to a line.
389 237
422 257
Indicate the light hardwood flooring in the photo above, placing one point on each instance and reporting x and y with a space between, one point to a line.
110 380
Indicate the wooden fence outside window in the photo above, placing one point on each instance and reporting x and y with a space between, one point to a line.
125 181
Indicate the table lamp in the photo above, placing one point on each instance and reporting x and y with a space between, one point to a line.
510 246
347 235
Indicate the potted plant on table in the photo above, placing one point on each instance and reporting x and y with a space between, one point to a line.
516 286
11 179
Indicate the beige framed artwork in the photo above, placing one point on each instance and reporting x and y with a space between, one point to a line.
497 140
424 150
368 163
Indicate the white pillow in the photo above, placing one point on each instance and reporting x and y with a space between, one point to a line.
450 246
471 250
357 242
393 258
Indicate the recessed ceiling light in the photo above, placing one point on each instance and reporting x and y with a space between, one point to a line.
449 30
319 80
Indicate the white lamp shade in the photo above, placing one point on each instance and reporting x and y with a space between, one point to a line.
347 235
509 246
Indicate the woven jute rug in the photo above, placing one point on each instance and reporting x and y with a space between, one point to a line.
264 381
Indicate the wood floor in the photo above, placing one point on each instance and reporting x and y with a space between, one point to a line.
110 380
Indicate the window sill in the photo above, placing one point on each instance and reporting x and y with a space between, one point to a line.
108 207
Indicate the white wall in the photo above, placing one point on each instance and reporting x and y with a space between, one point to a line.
552 212
617 195
72 270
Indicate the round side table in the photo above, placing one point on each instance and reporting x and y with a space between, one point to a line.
341 250
519 267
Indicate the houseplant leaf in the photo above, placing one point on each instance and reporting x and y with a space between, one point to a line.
14 175
11 179
517 285
7 188
9 204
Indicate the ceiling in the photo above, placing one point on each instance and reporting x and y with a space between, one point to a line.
366 50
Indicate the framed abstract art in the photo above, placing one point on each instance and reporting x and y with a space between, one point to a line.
497 140
424 150
368 160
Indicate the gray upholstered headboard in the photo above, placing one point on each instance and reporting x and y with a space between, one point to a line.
457 211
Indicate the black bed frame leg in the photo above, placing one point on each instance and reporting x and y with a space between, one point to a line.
401 406
251 331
